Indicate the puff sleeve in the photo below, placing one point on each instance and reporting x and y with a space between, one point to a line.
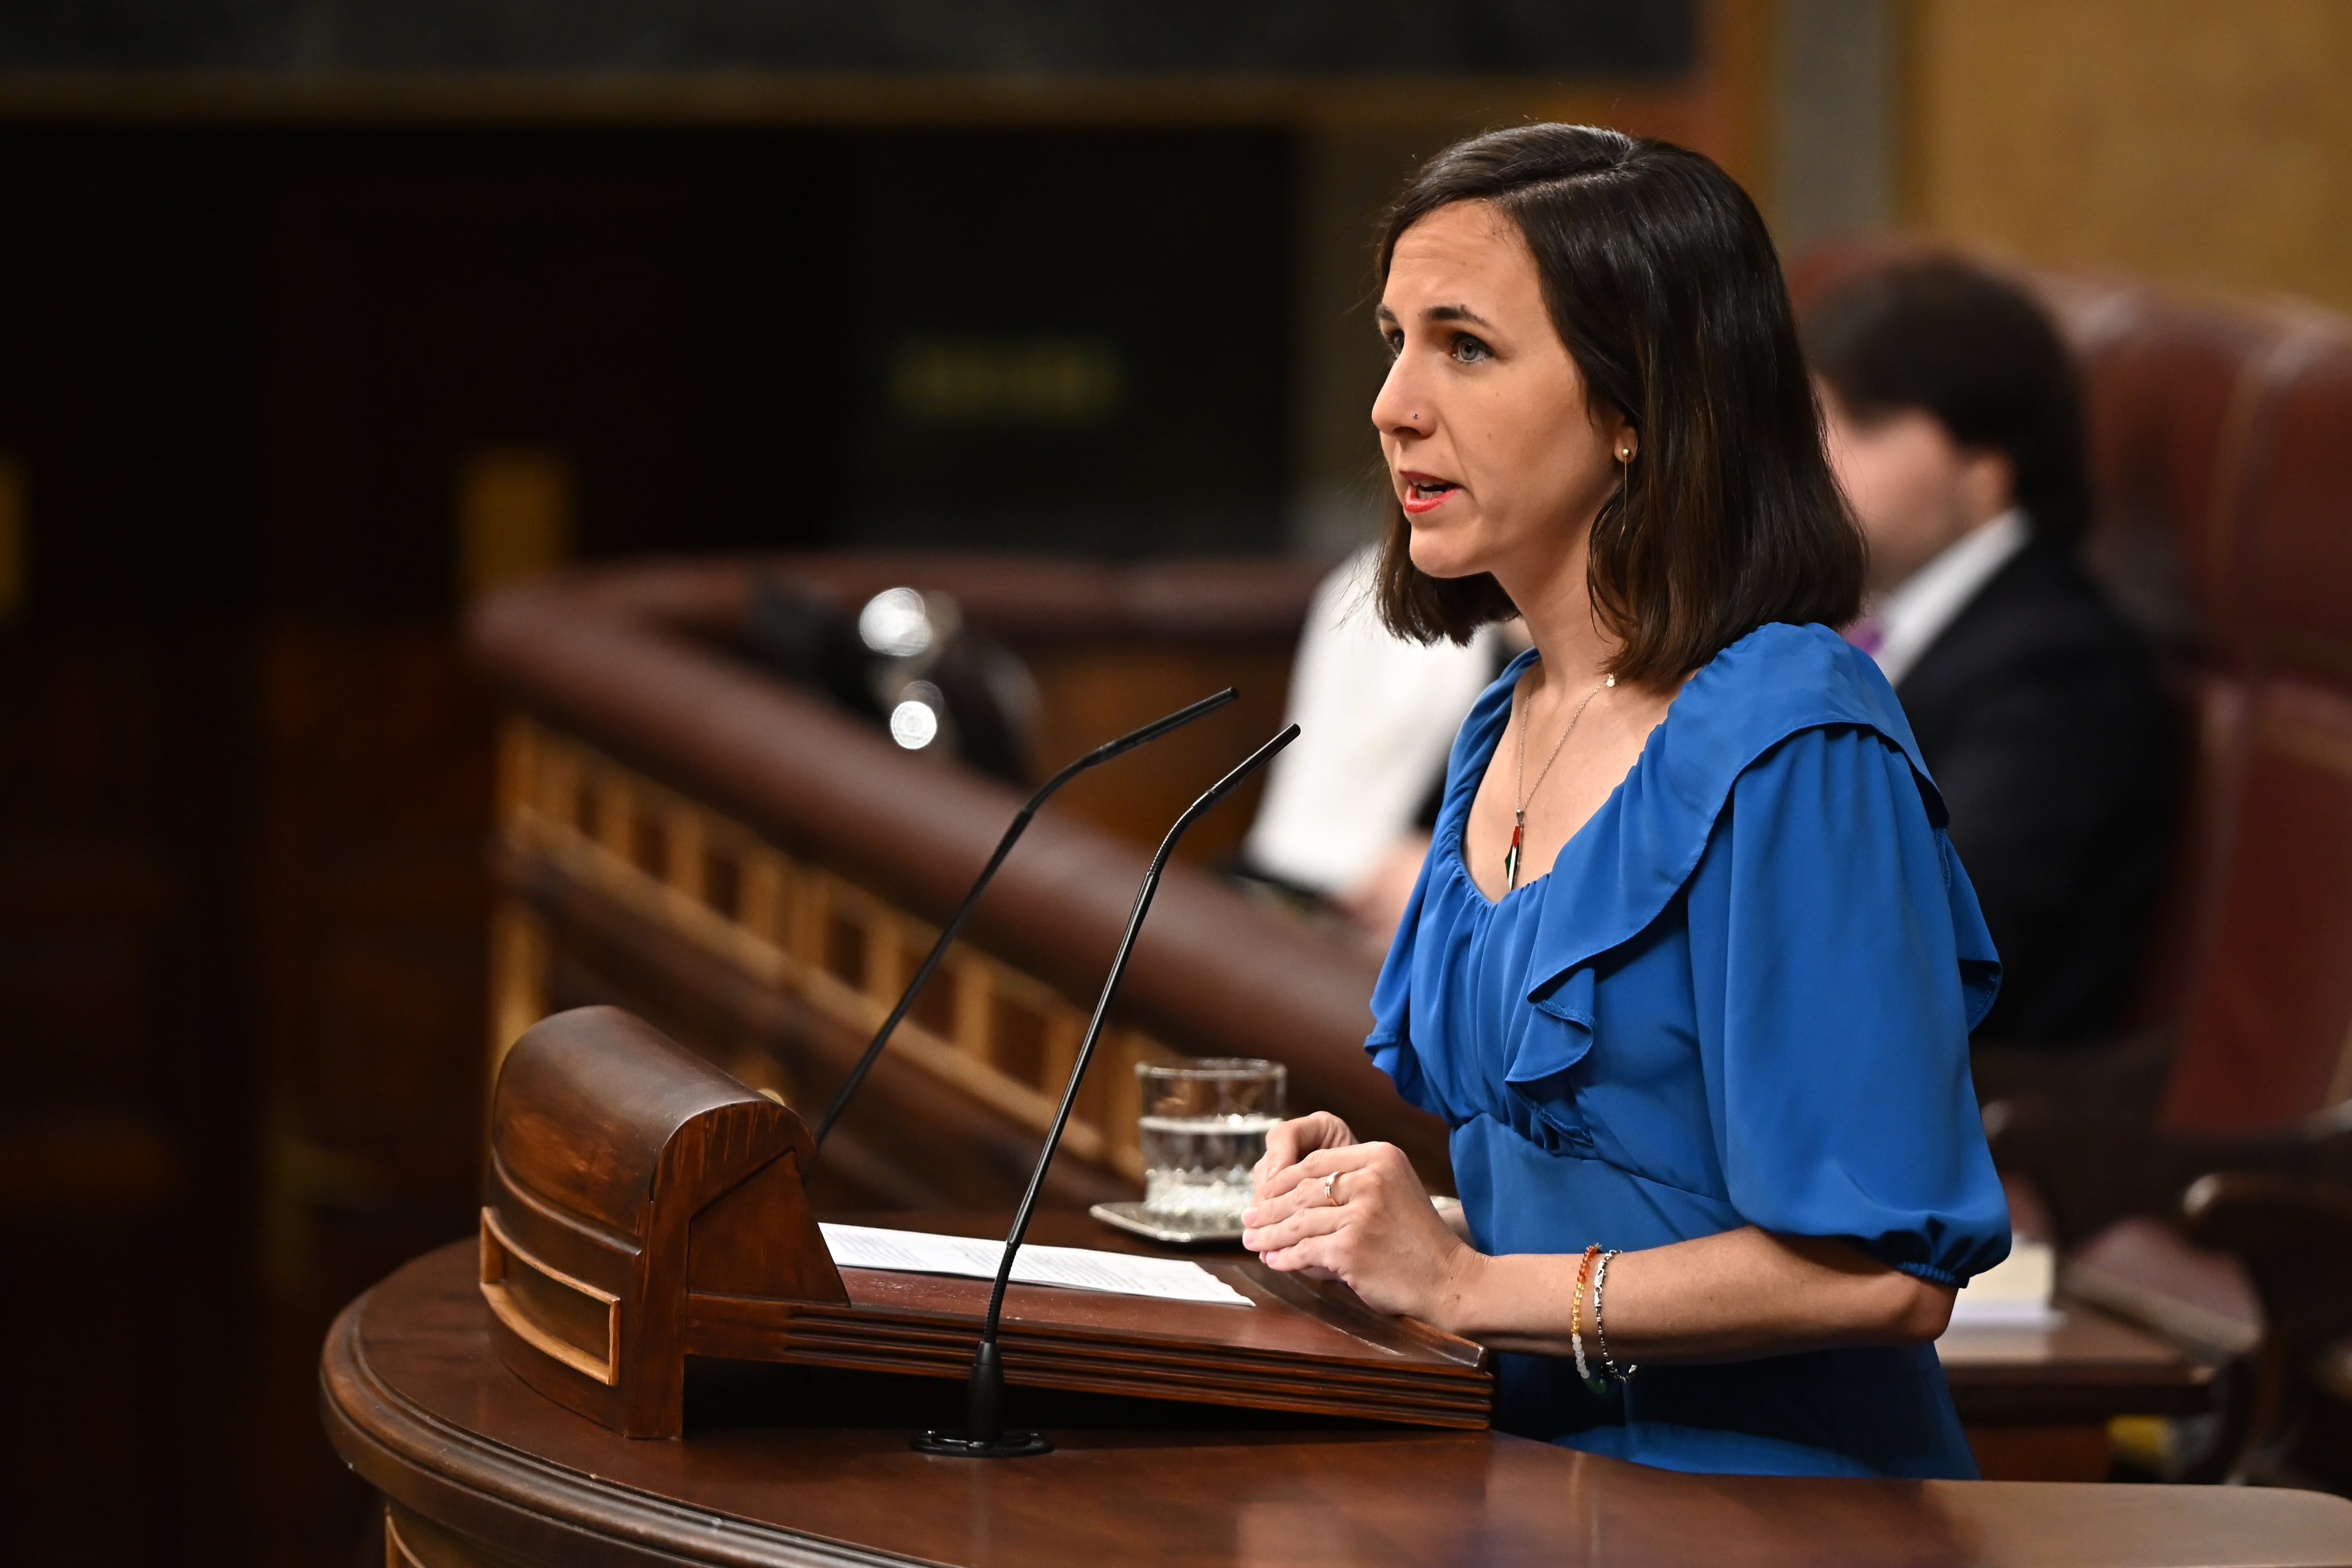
1839 962
1389 1043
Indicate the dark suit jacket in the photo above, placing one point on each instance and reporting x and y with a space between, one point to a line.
2039 712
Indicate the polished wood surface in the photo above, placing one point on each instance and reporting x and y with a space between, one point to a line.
2088 1366
815 1469
644 1207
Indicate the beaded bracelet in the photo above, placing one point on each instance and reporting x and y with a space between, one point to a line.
1608 1363
1577 1317
1576 1320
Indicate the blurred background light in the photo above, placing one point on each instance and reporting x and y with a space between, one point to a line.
895 622
915 722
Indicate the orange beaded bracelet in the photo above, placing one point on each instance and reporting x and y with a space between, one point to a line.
1576 1321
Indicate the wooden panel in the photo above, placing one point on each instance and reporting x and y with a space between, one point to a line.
413 1541
371 916
124 1109
564 1317
2059 1453
437 303
2084 1370
2083 130
1298 1347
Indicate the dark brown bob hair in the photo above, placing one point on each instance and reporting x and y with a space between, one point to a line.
1964 344
1663 284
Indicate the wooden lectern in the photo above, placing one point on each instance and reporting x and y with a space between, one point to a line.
644 1206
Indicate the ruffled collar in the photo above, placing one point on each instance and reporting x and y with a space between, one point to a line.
1622 868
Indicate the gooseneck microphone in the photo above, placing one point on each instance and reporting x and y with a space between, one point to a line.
1095 758
984 1436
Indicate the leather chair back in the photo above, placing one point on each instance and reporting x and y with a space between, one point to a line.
2268 1023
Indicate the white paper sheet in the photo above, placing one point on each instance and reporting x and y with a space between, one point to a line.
1078 1268
2013 1293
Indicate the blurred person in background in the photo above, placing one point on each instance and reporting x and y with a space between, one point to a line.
1349 805
1955 426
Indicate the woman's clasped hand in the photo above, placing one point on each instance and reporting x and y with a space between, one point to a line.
1333 1208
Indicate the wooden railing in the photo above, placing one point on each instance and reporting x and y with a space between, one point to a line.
756 872
982 1026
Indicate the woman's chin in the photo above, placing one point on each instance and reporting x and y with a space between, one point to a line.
1443 558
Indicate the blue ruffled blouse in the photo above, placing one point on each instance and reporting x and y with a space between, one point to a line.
1742 996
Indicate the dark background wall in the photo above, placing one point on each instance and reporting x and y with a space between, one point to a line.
245 788
1315 36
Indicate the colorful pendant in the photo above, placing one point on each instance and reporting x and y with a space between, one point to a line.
1511 855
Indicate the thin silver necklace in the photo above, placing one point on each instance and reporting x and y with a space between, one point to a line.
1519 812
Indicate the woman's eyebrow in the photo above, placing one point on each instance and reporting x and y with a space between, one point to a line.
1454 313
1387 316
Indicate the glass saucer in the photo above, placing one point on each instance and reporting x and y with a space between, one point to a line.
1168 1230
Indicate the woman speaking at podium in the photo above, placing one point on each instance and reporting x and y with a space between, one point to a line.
1691 966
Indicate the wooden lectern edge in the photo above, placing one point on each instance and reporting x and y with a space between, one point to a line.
420 1459
1333 1296
1043 1355
720 1256
497 1248
425 1432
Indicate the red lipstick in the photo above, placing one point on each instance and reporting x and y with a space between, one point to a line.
1424 492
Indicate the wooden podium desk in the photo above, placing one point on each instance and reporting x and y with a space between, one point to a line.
2036 1401
785 1466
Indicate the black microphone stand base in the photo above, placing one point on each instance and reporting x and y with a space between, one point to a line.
983 1436
1004 1446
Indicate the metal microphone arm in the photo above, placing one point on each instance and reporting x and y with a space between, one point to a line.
948 933
984 1436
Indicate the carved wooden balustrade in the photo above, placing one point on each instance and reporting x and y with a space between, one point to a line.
758 873
983 1026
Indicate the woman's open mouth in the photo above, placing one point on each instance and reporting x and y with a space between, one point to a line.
1426 491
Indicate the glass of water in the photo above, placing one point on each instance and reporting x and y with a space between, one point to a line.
1205 1126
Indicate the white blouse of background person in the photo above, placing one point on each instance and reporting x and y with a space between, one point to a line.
1377 715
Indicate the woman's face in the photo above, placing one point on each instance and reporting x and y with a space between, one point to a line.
1497 459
